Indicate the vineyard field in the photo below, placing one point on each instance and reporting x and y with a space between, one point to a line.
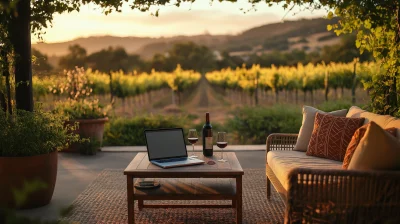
302 78
218 92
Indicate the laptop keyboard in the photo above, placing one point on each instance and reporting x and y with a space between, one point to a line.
171 160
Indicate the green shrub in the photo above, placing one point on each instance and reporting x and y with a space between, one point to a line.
33 133
336 105
253 125
123 131
89 146
82 109
130 131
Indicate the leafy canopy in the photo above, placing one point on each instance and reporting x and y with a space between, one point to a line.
376 22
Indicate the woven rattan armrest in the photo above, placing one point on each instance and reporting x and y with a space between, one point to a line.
281 141
343 196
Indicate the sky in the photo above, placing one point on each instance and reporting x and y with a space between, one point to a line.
196 18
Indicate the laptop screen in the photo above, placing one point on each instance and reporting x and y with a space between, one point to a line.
163 144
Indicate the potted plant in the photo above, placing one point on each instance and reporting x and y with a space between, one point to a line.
84 110
29 142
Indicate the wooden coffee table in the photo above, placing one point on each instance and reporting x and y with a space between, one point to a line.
221 181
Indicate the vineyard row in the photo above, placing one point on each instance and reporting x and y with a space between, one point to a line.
119 84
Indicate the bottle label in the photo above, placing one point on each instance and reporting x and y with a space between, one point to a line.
209 143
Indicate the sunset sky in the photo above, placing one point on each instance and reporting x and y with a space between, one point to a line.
189 19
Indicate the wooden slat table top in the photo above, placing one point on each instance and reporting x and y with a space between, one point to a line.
140 166
199 188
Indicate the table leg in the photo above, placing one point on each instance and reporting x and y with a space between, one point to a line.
239 199
140 205
268 188
131 211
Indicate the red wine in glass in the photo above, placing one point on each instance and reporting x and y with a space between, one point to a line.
222 145
193 140
222 142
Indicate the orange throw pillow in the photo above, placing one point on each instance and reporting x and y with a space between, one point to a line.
332 135
355 140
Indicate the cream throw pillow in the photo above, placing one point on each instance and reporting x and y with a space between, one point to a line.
308 125
377 150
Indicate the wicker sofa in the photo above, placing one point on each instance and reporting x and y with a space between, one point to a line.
319 191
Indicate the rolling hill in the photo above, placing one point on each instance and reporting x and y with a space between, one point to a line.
307 34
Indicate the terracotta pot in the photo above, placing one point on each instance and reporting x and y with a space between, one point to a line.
93 128
21 174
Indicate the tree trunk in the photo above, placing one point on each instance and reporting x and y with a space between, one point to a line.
342 94
312 97
305 96
173 97
20 36
6 99
256 91
3 103
256 96
286 95
297 96
122 104
354 85
111 89
336 94
276 96
8 89
326 83
391 97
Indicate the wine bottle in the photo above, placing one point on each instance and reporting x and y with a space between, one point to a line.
207 137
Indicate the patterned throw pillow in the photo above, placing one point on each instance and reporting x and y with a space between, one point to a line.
307 125
377 150
355 140
332 135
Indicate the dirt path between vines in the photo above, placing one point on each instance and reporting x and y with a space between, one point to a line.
206 99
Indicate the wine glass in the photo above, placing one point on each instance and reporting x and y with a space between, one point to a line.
222 142
192 137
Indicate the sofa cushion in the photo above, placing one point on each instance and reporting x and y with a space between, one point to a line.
381 120
384 121
355 140
307 125
394 124
378 150
332 135
282 162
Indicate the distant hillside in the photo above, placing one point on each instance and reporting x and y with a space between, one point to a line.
307 34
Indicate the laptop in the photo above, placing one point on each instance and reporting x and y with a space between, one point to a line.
166 148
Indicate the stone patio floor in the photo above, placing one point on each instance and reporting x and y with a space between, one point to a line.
76 172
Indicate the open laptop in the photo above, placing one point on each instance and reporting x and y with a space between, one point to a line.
166 148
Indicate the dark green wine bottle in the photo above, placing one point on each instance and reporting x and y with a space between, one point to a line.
207 137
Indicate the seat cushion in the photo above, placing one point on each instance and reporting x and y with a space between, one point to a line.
282 162
381 120
384 121
395 123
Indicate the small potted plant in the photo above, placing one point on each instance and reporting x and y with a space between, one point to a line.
82 109
29 142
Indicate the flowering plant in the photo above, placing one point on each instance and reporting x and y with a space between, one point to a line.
78 105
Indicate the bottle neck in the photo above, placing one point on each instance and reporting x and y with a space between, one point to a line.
207 118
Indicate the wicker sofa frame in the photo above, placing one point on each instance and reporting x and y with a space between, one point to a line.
335 196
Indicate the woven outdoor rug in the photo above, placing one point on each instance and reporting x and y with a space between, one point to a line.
104 201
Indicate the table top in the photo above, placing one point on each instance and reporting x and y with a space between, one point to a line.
140 166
